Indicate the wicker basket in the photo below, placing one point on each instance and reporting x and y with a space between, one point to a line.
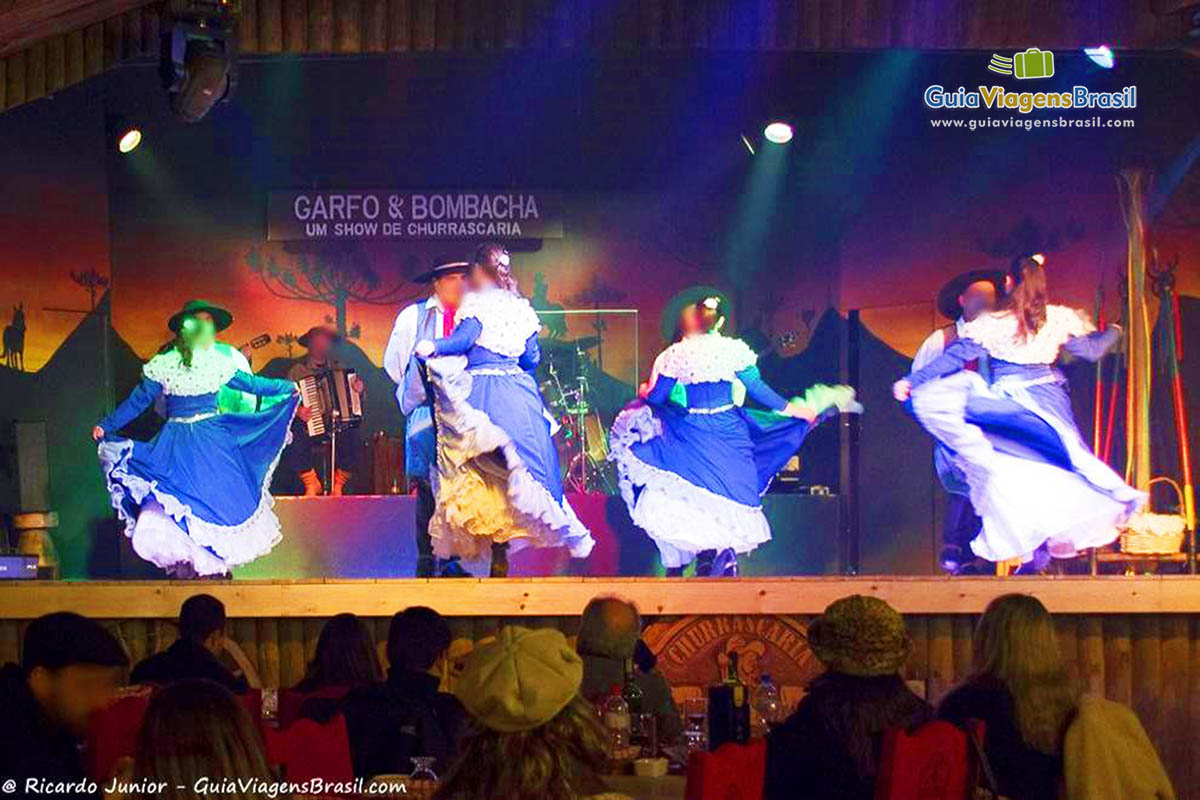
1150 534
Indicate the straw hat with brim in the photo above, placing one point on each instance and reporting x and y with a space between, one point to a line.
669 320
222 319
521 681
947 299
861 636
443 266
334 336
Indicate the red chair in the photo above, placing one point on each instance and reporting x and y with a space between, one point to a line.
308 750
937 761
112 731
731 772
291 701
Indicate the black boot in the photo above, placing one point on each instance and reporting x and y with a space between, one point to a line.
452 568
426 566
725 565
499 560
704 563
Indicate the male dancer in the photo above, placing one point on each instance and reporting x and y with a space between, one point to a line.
432 318
962 299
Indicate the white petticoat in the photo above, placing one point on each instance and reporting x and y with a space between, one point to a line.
1024 503
484 491
679 516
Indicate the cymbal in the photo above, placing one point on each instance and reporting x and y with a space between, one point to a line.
582 343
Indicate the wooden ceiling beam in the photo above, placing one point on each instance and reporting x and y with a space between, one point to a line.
25 22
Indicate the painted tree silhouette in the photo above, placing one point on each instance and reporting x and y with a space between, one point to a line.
92 282
331 273
288 340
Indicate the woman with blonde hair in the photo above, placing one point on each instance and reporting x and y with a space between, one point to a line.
197 740
1020 688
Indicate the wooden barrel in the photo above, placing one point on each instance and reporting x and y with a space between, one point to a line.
33 539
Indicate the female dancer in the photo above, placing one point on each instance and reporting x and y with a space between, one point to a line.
497 479
1032 479
693 474
195 498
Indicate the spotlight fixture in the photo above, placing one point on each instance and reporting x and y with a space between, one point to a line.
199 56
1040 258
778 132
123 136
1101 56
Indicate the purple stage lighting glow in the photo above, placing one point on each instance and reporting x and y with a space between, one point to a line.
1101 56
778 132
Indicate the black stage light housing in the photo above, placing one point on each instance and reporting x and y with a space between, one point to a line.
199 56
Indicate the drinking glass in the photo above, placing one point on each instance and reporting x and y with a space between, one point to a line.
695 723
423 769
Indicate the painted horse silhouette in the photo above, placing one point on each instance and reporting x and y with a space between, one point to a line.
14 339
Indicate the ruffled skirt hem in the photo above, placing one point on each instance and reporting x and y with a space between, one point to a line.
485 493
681 517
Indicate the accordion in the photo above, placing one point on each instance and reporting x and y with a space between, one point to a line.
334 404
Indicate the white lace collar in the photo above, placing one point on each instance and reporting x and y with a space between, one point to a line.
210 370
706 358
507 319
997 332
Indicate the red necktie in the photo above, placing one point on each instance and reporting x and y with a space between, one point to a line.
447 321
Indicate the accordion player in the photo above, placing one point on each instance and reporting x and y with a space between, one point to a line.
332 401
324 433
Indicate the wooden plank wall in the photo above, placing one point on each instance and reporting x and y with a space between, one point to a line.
1148 661
624 26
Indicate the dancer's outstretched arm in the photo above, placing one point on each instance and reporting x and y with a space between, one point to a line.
532 356
260 386
141 398
660 392
952 359
758 389
1095 345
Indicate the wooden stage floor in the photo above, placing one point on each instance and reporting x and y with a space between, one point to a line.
566 596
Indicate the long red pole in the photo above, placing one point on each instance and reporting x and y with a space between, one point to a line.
1181 425
1098 399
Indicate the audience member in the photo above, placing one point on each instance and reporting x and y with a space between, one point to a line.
609 634
829 747
345 657
406 716
70 667
1108 756
198 740
196 654
1020 688
531 737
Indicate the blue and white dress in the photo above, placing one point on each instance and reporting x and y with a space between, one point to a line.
693 474
497 477
1031 477
197 493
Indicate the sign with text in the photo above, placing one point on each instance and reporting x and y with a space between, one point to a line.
413 215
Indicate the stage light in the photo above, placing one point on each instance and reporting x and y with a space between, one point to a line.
1040 258
746 142
778 132
123 136
199 57
1101 56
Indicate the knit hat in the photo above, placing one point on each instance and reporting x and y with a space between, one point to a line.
64 639
521 681
861 636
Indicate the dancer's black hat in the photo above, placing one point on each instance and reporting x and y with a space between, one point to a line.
443 266
222 319
947 299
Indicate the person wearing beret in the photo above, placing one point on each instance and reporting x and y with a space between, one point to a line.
70 667
195 499
531 734
301 455
828 748
962 299
432 318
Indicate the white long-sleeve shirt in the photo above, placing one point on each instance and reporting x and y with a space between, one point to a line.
398 353
933 346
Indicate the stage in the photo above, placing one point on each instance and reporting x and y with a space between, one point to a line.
566 596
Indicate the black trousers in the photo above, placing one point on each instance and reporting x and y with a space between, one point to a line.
425 507
961 524
305 452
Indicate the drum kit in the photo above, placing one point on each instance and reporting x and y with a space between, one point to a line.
568 390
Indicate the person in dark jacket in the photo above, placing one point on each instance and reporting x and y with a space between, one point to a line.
70 666
1021 689
609 634
829 748
196 654
406 716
